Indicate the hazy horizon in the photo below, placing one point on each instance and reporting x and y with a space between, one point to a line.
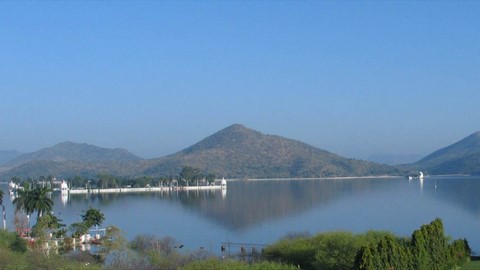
355 79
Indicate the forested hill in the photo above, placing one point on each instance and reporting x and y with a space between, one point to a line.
234 152
69 151
240 152
461 157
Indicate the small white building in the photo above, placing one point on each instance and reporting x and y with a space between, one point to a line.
223 184
64 187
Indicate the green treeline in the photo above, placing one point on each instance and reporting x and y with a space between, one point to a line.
428 248
188 176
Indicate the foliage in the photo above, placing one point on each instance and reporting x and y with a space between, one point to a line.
125 259
146 244
113 241
34 200
460 252
189 175
428 248
37 260
15 256
84 257
333 250
388 253
106 181
12 241
216 264
92 217
46 224
77 229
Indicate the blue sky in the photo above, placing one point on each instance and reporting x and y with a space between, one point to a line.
155 77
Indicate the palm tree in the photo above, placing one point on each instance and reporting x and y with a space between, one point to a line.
21 200
1 197
31 200
40 201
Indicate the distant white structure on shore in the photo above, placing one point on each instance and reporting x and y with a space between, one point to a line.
66 190
420 176
223 184
64 187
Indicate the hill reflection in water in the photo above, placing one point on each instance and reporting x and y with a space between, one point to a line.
247 203
252 202
264 211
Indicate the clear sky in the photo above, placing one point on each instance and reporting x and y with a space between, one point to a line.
155 77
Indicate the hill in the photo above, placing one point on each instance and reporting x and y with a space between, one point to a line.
468 165
461 157
240 152
69 151
72 168
234 152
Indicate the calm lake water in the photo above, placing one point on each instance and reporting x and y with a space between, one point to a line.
262 212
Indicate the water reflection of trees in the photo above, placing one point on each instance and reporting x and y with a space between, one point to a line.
105 199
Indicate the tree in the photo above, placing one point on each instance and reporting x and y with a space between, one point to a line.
210 178
92 217
31 200
106 181
77 229
190 175
460 251
46 224
430 246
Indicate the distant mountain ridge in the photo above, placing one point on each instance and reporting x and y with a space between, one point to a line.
393 159
236 152
233 152
461 157
70 151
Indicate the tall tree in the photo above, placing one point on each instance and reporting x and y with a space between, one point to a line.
36 199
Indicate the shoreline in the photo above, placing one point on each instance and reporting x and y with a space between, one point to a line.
147 189
321 178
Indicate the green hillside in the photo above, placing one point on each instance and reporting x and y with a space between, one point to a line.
240 152
461 157
234 152
69 151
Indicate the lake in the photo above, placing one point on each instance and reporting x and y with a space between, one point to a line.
262 212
